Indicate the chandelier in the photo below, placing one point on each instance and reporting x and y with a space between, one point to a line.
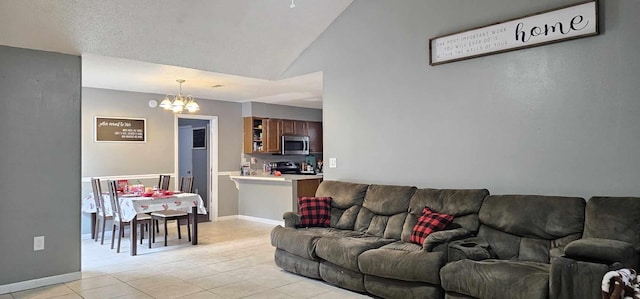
179 103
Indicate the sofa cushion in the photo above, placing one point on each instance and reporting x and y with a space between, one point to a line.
346 200
602 250
389 227
496 279
530 227
302 241
314 211
388 200
615 218
429 222
344 251
403 261
463 204
343 194
384 210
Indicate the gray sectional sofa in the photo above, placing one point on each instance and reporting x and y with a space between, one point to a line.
498 246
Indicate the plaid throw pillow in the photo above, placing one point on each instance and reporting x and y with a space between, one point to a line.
427 223
314 211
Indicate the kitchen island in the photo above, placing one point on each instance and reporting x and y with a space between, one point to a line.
266 197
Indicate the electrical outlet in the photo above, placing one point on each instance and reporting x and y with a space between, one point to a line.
38 243
332 163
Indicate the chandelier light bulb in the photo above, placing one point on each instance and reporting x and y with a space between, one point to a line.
179 103
293 5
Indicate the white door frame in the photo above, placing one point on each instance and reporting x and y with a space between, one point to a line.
213 158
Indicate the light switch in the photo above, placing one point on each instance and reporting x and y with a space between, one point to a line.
38 243
332 163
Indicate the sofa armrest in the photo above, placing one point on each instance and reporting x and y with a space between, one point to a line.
471 248
602 251
444 236
291 219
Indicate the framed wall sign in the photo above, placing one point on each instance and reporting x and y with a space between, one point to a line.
200 138
569 22
119 129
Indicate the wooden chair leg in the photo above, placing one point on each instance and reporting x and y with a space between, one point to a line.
104 226
178 225
165 232
97 228
141 232
150 230
113 235
188 228
120 233
154 224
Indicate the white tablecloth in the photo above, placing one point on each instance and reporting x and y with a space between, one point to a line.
131 206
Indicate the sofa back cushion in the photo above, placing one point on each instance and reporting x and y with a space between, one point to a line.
616 218
384 210
463 204
530 227
346 200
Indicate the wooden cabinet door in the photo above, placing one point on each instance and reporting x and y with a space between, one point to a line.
273 133
300 127
248 135
288 127
315 136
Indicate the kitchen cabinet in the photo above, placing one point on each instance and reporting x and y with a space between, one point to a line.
262 135
254 135
274 131
314 130
294 127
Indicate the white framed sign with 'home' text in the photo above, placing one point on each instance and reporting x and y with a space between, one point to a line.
570 22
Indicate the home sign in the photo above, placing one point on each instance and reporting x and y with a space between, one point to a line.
569 22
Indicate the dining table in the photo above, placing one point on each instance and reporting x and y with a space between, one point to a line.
132 204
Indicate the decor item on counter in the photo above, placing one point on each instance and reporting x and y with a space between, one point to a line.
314 211
568 22
179 102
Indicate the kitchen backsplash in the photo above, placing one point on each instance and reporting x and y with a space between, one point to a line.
261 158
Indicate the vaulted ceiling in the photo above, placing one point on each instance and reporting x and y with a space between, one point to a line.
145 45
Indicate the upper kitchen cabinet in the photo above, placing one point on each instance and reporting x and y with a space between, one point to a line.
254 135
294 127
274 131
314 130
262 135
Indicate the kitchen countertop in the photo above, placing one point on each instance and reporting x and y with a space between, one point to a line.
284 177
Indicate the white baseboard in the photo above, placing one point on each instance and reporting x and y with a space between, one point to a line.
262 220
251 218
40 282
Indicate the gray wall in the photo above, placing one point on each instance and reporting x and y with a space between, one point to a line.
280 111
557 119
39 164
157 154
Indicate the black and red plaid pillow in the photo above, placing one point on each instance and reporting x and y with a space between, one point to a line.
314 211
429 222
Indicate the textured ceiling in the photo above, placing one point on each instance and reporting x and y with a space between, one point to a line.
248 38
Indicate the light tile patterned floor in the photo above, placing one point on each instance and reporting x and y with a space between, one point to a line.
234 259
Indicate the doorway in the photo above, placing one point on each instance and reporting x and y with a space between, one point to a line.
196 154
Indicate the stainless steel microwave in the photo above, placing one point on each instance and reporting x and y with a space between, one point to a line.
295 145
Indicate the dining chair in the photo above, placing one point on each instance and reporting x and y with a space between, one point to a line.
186 184
163 182
142 218
101 214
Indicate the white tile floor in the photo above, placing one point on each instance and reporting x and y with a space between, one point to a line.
234 259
